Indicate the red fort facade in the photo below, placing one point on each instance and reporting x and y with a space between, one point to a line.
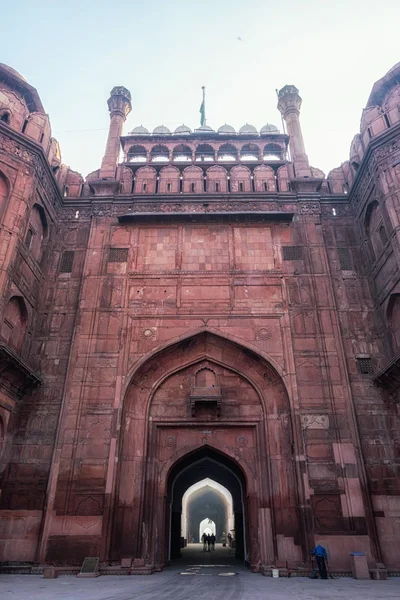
210 306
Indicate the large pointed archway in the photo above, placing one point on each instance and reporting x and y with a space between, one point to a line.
210 392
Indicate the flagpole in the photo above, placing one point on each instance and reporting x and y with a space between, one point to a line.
203 121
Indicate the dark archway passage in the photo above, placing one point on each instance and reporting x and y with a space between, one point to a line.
194 467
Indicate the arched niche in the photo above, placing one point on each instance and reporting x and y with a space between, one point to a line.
283 179
36 232
264 179
375 229
193 180
145 181
217 180
169 182
393 319
4 191
205 377
240 179
14 323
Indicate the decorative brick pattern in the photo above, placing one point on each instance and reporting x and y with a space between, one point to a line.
346 263
117 255
292 253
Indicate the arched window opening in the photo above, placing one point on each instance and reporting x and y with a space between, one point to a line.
5 118
272 152
204 153
192 187
66 191
14 323
355 165
265 186
25 125
168 187
393 316
217 186
250 152
137 154
227 153
159 153
182 153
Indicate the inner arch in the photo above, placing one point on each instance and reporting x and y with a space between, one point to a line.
198 491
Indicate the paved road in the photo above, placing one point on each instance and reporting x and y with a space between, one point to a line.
210 581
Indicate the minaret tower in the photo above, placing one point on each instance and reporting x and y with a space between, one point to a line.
289 103
119 105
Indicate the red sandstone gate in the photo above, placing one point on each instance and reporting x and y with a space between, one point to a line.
207 405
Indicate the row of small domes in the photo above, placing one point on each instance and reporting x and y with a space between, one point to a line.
185 130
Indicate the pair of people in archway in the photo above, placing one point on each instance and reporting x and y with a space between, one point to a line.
208 542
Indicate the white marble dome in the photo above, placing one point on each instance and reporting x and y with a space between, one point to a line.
140 130
161 130
227 129
205 129
247 128
183 129
269 128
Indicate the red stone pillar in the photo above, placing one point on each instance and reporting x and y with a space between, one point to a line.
119 105
289 104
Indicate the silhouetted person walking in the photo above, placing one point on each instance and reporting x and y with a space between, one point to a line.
204 540
213 538
209 542
321 557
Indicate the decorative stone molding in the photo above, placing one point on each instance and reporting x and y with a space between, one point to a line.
315 421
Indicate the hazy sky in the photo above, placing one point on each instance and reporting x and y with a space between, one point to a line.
74 52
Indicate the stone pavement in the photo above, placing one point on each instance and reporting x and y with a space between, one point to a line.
197 576
200 585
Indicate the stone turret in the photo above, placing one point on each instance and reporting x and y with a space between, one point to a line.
289 103
119 105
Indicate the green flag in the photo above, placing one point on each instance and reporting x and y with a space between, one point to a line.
203 109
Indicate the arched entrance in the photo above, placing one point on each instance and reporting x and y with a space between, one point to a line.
205 462
207 526
205 407
210 499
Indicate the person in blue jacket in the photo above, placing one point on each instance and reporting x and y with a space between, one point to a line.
321 557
